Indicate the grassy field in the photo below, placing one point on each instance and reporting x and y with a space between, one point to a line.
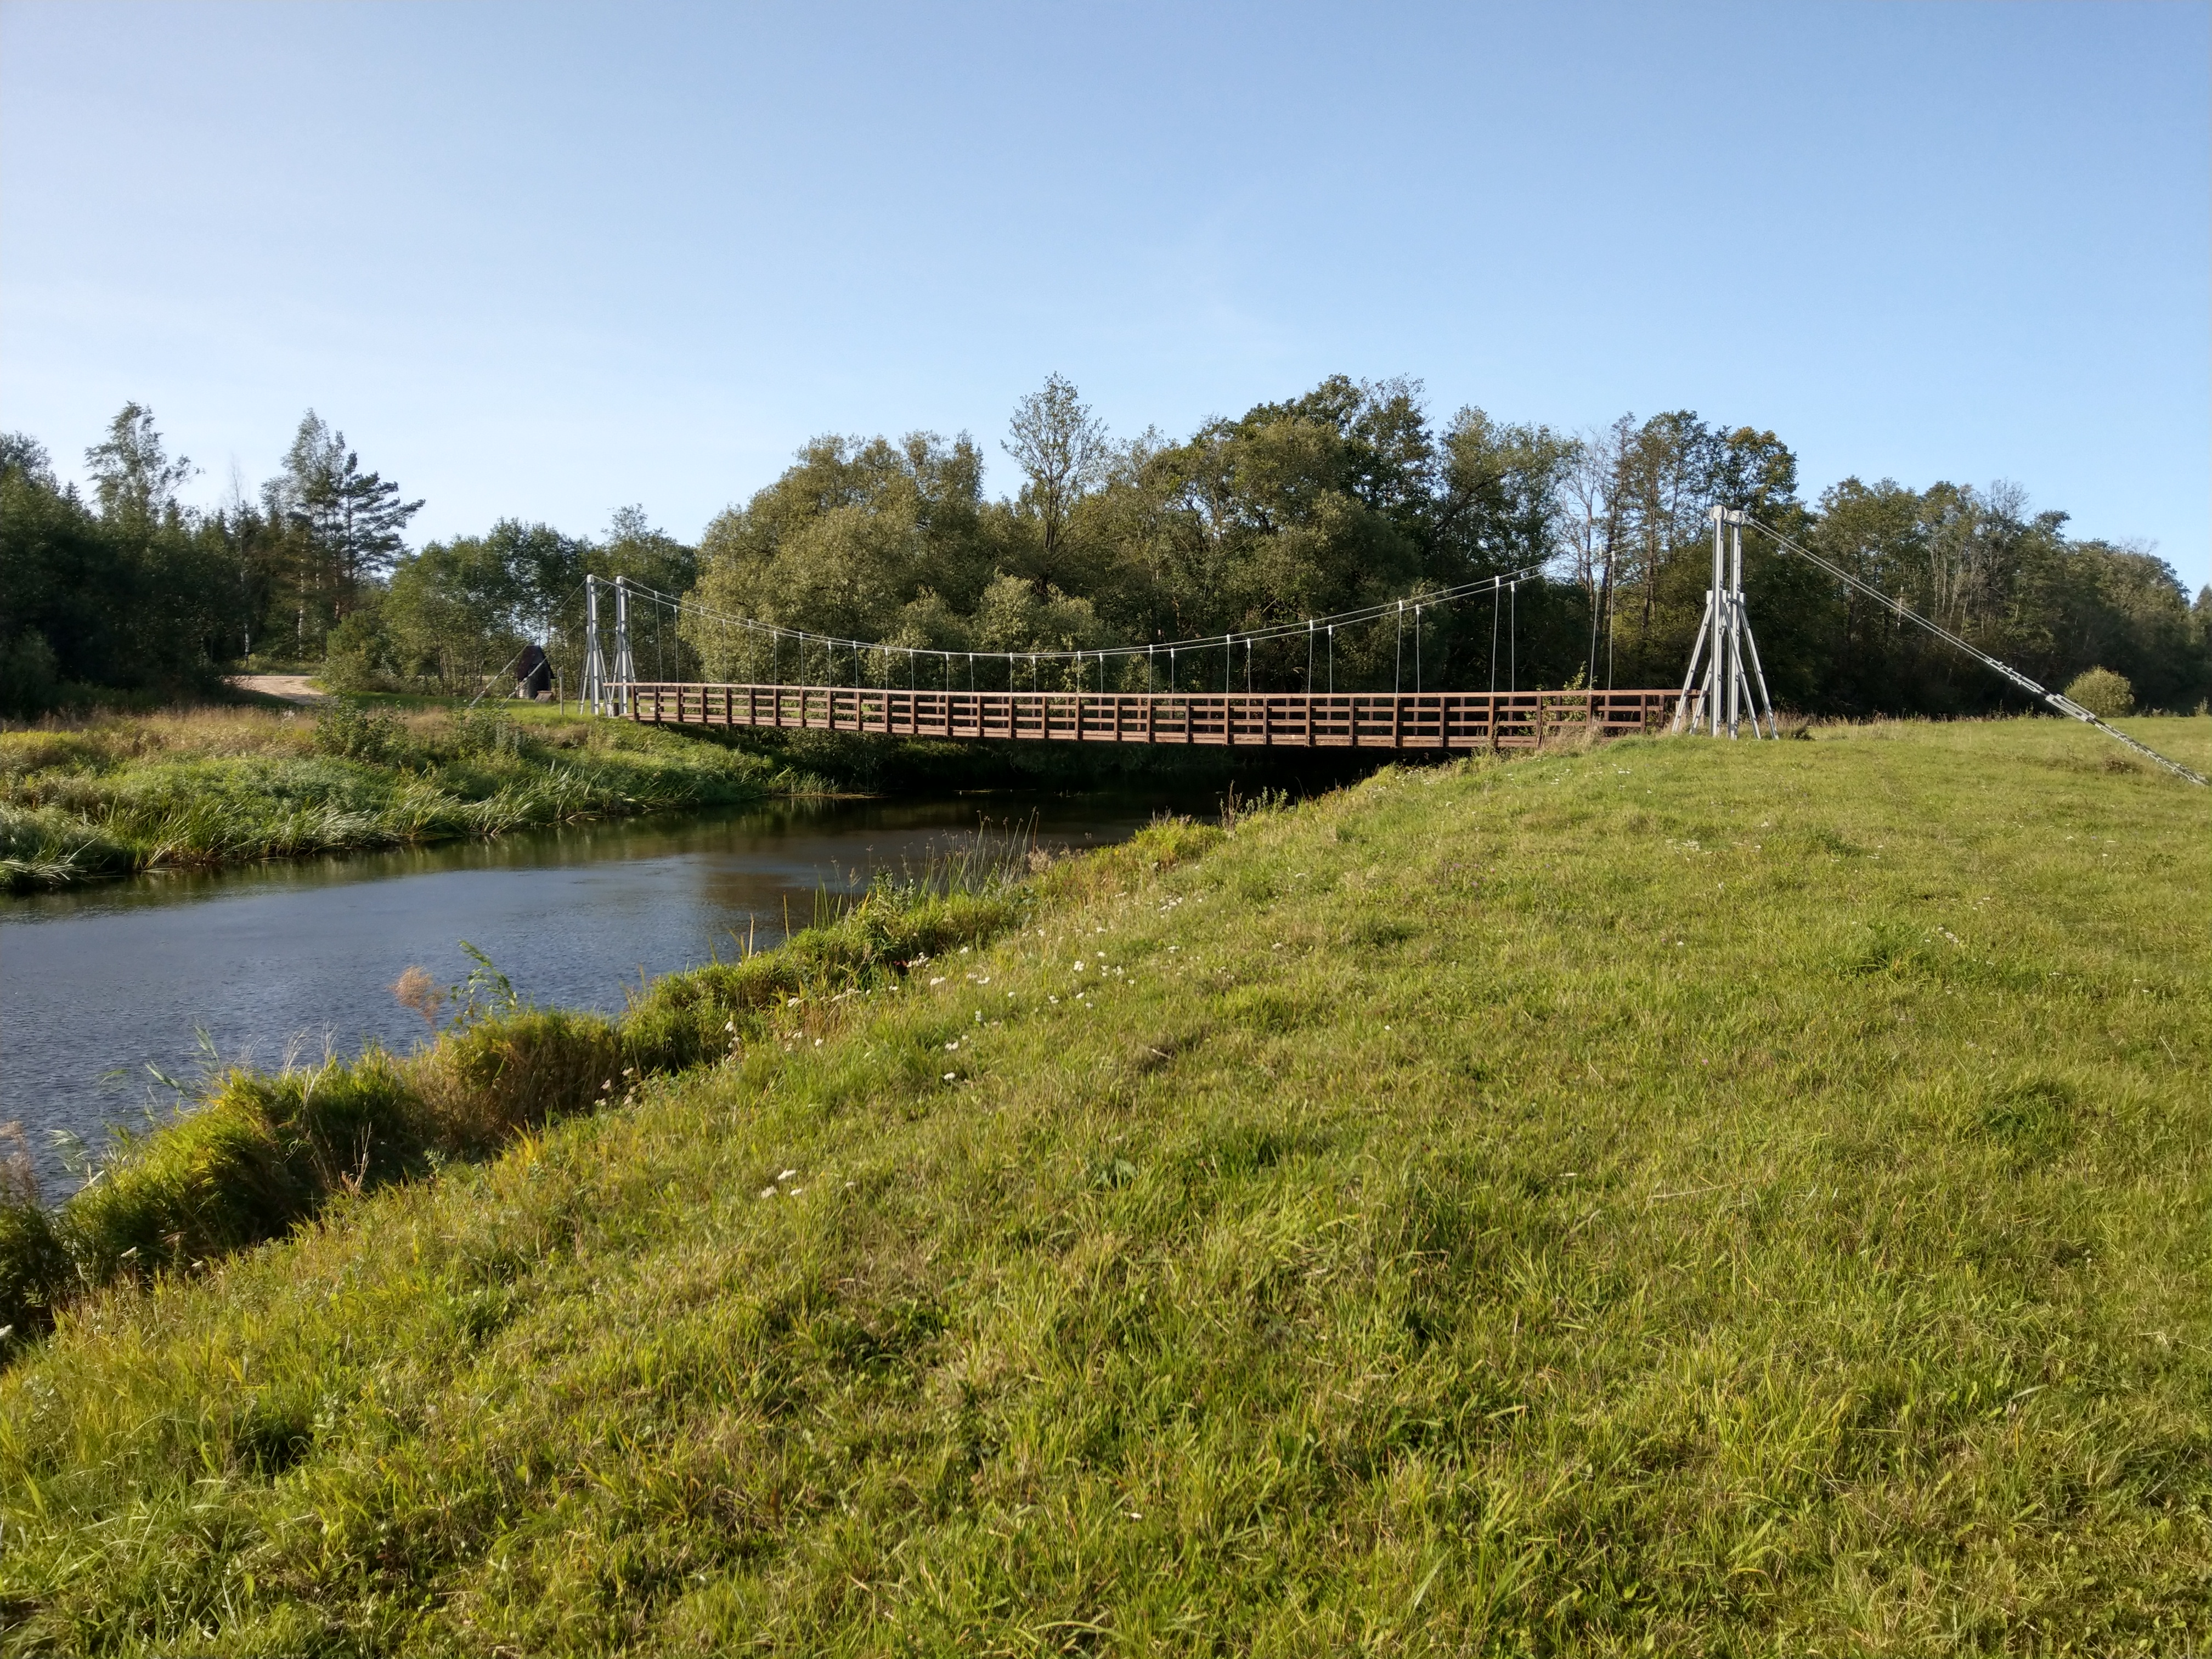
113 795
1677 1198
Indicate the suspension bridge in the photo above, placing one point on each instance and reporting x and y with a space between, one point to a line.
1290 719
1723 692
872 702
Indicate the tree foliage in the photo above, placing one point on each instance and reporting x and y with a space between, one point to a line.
133 594
133 477
1349 495
1345 496
1062 449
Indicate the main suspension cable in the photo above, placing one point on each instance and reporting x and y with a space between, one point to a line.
2065 705
1248 638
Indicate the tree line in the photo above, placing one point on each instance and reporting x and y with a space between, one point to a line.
1350 495
128 591
131 590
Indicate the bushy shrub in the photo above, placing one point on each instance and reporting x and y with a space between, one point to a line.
355 651
2103 693
353 732
690 1019
34 1270
1167 841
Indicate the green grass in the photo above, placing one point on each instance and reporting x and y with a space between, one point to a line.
1680 1197
220 786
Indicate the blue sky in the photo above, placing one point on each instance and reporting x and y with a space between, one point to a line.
544 260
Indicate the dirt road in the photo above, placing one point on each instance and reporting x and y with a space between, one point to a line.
293 687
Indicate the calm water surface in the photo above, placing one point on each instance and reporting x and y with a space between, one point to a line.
296 958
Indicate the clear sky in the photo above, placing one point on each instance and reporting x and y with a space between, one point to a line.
544 260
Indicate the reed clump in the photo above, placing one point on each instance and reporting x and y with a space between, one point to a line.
117 795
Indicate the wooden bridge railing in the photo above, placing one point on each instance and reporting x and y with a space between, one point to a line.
1346 720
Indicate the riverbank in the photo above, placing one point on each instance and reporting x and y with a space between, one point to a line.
109 797
256 961
1728 1197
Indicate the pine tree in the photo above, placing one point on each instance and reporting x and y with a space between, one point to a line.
347 522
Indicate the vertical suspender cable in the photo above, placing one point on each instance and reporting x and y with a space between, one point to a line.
1497 604
1610 605
1590 667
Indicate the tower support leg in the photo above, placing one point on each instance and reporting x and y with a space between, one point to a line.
1686 711
594 689
625 670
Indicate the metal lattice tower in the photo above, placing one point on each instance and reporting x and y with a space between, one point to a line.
1723 696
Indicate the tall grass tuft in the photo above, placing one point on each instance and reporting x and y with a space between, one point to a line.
259 1153
34 1264
46 846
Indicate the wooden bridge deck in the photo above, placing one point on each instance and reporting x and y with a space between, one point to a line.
1346 720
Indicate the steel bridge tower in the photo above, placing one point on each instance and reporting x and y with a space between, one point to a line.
1722 697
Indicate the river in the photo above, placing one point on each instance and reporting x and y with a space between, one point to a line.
276 961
